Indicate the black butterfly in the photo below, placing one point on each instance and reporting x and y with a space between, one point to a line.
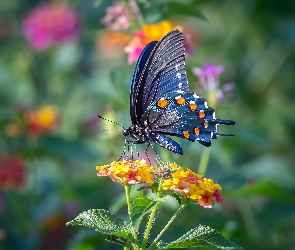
161 103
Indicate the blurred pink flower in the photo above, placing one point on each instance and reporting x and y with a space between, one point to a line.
209 79
117 18
50 24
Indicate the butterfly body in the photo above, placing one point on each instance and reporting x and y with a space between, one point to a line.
161 103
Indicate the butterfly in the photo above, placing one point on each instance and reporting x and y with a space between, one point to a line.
161 104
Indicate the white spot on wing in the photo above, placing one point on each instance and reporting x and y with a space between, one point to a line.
205 104
180 84
178 75
195 95
179 91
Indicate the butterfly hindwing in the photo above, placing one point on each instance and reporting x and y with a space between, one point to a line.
164 72
184 114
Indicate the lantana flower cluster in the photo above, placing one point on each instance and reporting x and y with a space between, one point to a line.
187 184
34 122
149 33
128 172
193 186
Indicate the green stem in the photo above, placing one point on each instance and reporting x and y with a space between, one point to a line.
179 210
204 161
134 24
127 190
152 216
206 153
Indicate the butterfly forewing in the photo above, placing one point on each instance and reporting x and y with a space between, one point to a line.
164 71
144 56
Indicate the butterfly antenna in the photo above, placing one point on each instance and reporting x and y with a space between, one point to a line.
110 121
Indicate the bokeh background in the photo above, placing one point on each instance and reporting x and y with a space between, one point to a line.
53 86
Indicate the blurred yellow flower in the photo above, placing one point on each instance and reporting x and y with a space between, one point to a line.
128 172
41 120
193 186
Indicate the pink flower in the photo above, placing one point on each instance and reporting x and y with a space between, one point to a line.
50 24
209 79
117 16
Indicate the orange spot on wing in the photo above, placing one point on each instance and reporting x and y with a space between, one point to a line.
197 131
162 103
206 124
179 100
192 105
185 134
201 114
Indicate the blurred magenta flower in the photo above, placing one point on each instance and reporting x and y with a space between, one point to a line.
117 18
12 172
50 24
209 79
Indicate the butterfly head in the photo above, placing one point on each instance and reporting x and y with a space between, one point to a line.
126 132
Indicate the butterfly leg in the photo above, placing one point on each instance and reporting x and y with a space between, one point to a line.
158 159
137 152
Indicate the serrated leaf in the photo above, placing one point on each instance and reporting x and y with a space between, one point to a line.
264 187
181 9
201 236
140 207
104 222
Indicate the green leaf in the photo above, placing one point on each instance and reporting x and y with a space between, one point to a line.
104 222
140 207
181 9
264 187
202 236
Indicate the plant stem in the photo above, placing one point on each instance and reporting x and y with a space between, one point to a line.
127 191
204 161
179 210
152 216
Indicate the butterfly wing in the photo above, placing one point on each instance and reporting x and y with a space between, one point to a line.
145 54
163 72
186 115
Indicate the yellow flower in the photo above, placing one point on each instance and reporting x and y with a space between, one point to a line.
193 186
128 172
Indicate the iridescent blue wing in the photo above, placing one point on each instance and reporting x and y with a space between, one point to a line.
186 115
145 54
163 72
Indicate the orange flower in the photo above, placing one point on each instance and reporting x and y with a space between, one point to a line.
193 186
128 172
149 33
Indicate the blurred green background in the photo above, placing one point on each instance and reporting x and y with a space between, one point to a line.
254 40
